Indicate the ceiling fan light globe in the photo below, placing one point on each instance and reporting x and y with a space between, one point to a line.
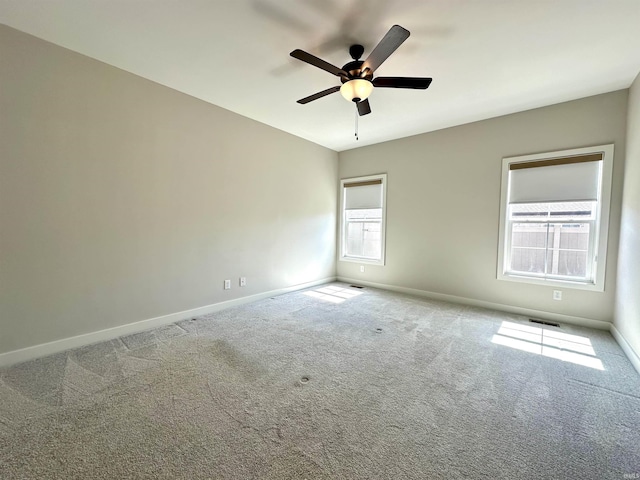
356 88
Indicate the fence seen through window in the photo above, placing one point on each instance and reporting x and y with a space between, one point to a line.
551 238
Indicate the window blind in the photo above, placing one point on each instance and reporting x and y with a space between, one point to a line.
361 195
568 179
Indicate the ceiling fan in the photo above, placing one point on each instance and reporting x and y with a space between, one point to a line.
357 76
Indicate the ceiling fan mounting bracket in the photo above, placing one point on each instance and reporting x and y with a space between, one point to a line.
356 51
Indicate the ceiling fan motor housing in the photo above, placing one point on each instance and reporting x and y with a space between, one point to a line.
354 70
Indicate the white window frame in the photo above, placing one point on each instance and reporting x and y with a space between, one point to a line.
383 226
597 240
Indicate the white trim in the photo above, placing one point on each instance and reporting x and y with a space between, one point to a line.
56 346
550 282
633 357
557 317
602 215
383 228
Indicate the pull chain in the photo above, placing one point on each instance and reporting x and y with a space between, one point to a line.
356 134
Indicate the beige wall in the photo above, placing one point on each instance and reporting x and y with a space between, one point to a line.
444 184
627 318
122 200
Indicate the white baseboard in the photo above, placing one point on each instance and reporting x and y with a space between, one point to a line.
557 317
626 348
37 351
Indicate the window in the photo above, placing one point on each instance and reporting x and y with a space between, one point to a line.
362 225
554 217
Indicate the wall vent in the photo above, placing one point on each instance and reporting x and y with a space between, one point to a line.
542 322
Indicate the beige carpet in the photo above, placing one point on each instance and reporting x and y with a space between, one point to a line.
332 382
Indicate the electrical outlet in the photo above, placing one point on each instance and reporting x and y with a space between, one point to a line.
227 284
361 268
243 281
557 294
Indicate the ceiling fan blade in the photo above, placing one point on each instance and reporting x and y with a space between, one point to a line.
421 83
318 95
318 62
389 43
363 107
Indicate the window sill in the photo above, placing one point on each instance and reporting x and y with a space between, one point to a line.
551 282
366 261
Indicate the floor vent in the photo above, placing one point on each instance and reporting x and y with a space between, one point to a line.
356 286
542 322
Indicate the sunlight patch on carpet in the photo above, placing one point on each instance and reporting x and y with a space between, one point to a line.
548 343
332 294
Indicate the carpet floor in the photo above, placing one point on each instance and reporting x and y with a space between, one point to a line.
332 382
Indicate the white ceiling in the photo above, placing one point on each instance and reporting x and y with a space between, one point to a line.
487 58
